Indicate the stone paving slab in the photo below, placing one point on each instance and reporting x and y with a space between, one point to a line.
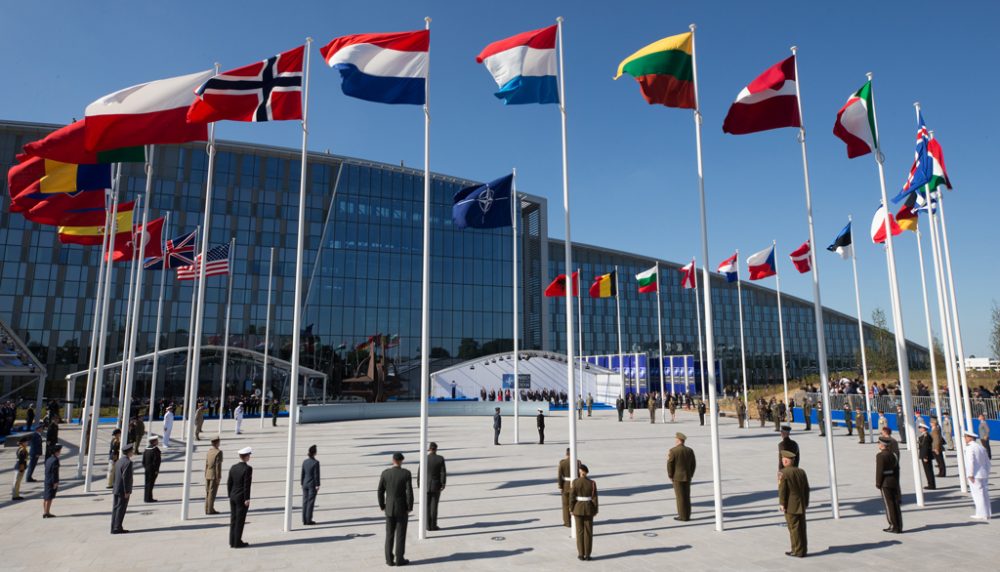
501 507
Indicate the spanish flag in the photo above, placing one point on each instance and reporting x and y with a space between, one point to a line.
605 285
94 235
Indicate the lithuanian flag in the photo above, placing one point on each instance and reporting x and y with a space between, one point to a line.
664 71
605 285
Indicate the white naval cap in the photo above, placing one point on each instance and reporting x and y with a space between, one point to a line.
924 425
245 451
970 434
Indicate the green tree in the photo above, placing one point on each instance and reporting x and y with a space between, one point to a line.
468 348
939 361
995 331
883 357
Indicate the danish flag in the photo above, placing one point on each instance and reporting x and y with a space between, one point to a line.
270 90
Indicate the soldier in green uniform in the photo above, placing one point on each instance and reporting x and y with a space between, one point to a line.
563 481
701 412
651 404
672 405
680 471
631 406
819 419
786 444
590 405
887 481
807 412
579 408
776 416
859 417
583 505
847 419
762 412
741 413
620 406
793 498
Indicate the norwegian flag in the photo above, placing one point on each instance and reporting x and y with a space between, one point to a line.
177 252
216 264
800 258
270 90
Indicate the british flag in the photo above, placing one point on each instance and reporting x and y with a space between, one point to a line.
177 252
269 90
216 264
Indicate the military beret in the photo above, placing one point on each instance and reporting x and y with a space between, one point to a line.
215 440
397 457
584 468
681 436
786 428
788 454
56 446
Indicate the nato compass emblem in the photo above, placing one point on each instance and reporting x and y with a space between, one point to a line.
485 200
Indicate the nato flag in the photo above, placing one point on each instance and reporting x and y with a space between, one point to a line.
484 206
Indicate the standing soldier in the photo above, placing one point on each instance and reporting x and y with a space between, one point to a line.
140 432
651 404
563 481
947 429
122 490
984 435
819 418
113 452
893 444
786 444
168 425
213 476
901 424
590 404
238 416
395 498
680 471
847 419
540 423
672 404
701 411
310 485
151 467
238 487
977 470
882 421
20 466
776 416
583 505
437 477
51 436
741 413
926 456
859 417
275 409
579 408
887 481
34 452
761 411
51 484
620 406
199 420
793 498
807 413
496 425
937 446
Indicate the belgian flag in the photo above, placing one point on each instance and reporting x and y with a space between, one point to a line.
605 285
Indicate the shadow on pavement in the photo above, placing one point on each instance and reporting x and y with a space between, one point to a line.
181 527
855 548
486 554
314 540
644 552
493 524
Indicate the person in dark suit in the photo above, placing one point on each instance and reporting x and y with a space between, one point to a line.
238 486
680 470
437 476
151 467
51 484
29 418
122 490
310 486
620 406
924 444
51 436
540 422
793 499
395 499
887 481
497 421
787 444
275 409
34 452
701 411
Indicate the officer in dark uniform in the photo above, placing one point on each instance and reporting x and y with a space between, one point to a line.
395 499
540 423
859 418
620 406
701 411
151 467
926 456
238 487
793 498
563 481
310 482
887 481
583 505
437 476
497 421
786 444
680 471
819 419
807 413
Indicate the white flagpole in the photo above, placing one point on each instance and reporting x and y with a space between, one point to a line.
293 406
659 327
861 343
743 347
137 311
579 321
960 358
901 353
225 342
95 323
190 389
267 336
673 390
781 323
713 409
159 322
824 372
126 333
621 355
195 361
701 351
927 320
514 201
568 251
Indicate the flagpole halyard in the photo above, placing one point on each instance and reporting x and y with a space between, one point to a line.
514 202
267 339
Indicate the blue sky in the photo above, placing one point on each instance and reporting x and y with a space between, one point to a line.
632 166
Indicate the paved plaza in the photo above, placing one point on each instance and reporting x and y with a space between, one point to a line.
501 508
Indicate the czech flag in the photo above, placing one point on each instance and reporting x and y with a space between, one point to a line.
730 269
384 68
524 67
762 264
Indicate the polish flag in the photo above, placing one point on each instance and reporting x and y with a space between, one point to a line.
769 102
801 259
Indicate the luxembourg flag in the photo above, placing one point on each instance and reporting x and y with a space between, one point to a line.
762 264
524 66
729 268
384 68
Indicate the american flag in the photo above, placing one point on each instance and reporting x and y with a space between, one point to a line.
216 265
178 252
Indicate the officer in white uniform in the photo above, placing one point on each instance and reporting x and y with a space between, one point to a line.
977 470
168 425
238 414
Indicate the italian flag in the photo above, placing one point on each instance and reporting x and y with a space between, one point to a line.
648 280
856 123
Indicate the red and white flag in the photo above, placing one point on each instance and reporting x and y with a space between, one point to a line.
769 102
689 276
269 90
216 264
878 226
152 238
801 259
145 114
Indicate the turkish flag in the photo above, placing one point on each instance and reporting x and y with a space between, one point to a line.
152 237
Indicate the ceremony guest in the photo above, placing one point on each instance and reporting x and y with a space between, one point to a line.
395 499
213 476
926 456
238 488
620 407
583 505
786 444
497 421
114 449
151 467
168 425
563 482
34 452
793 499
310 486
20 466
887 481
437 477
122 489
540 423
977 470
937 447
680 470
51 483
275 409
984 435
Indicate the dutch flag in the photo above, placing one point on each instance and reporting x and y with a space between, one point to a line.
524 67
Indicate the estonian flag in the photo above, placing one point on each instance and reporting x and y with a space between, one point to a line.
842 244
484 206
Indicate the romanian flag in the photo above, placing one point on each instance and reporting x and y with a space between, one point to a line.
38 175
605 285
93 235
664 71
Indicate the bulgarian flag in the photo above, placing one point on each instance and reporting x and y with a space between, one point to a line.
648 280
856 123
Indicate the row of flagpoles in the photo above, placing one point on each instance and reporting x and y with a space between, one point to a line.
186 108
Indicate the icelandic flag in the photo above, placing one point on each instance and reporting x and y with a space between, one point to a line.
384 68
842 244
524 66
730 268
762 264
484 206
923 165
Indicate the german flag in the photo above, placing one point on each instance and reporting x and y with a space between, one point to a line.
605 285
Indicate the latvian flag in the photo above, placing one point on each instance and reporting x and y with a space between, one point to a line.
801 258
769 102
217 264
762 264
730 268
269 90
689 276
384 68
